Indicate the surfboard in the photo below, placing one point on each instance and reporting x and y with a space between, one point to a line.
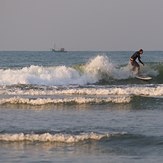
143 77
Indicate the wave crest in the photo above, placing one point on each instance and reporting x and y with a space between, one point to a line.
96 69
147 90
47 137
77 100
61 138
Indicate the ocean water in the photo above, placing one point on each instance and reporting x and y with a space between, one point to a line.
80 107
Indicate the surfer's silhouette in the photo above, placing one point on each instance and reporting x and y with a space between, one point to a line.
134 63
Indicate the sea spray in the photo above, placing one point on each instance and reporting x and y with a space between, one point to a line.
97 69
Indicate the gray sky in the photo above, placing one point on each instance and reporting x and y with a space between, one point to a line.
81 24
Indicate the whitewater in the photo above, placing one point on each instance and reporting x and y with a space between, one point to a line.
98 68
79 84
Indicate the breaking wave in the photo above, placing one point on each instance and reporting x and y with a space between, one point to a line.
78 100
97 69
47 137
146 90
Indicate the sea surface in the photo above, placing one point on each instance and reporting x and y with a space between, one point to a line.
80 107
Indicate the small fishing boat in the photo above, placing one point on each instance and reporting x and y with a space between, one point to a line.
58 50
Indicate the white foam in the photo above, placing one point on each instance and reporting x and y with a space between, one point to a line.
78 100
47 137
102 67
59 75
149 90
135 90
96 69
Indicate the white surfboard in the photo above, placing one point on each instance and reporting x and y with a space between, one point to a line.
143 77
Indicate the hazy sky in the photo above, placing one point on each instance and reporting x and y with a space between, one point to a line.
81 24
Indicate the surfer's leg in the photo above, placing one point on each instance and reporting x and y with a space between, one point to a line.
138 68
135 67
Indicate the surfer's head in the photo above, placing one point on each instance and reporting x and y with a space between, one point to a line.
141 51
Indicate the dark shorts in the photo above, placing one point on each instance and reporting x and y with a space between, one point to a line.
135 64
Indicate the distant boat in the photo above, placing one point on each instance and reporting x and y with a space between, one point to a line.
58 50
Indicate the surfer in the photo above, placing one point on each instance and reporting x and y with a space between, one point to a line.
133 61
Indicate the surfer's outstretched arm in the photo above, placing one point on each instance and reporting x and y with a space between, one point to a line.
140 61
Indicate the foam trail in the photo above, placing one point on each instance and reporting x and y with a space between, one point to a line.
147 90
47 137
79 100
